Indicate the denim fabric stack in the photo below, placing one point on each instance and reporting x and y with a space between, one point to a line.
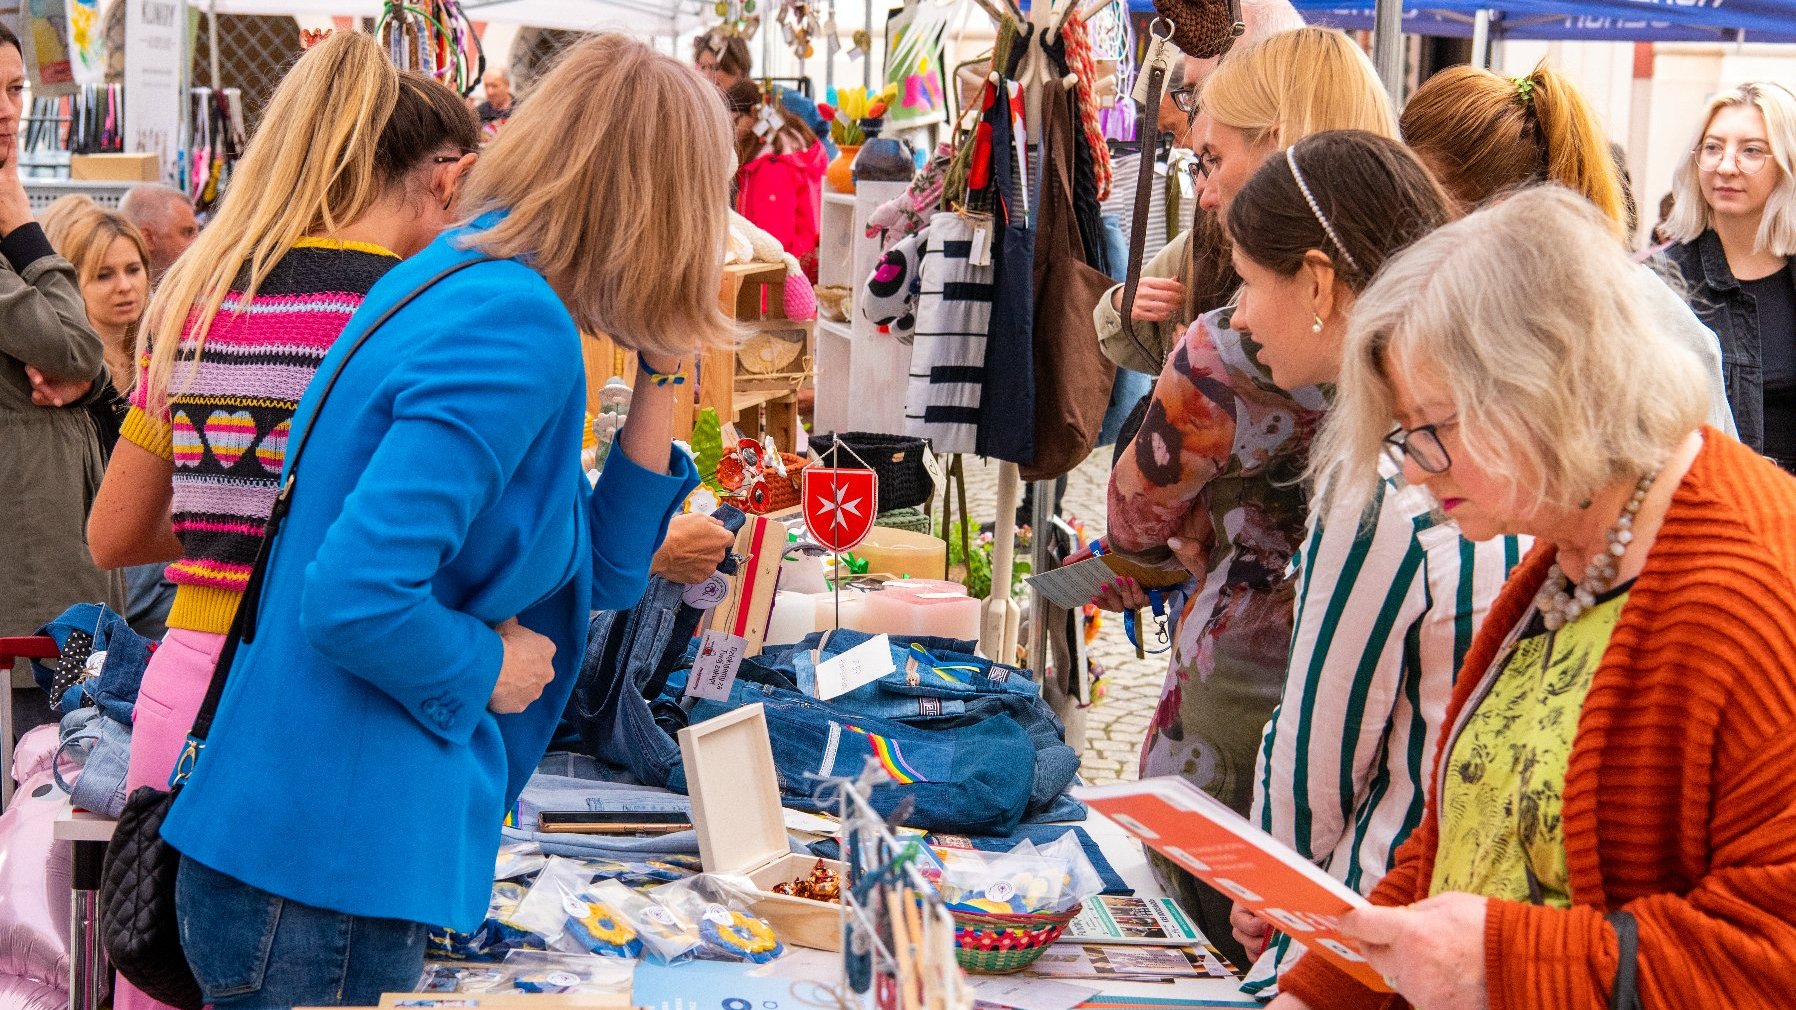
970 743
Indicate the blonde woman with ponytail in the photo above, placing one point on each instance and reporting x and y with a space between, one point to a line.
1485 136
355 166
421 623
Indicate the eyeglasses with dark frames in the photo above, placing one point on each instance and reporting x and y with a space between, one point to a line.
1184 96
1423 445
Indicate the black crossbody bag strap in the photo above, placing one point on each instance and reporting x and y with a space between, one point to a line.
243 624
1625 993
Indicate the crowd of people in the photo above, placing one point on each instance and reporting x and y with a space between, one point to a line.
1488 515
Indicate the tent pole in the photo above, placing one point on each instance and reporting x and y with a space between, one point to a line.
1387 47
212 40
1041 521
1481 39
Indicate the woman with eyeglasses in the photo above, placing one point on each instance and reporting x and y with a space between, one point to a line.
1611 817
1733 228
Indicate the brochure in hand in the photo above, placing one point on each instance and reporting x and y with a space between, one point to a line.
1221 848
1156 922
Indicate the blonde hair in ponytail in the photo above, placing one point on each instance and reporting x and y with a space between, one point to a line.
311 167
1484 135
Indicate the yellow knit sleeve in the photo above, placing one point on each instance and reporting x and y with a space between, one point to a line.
149 433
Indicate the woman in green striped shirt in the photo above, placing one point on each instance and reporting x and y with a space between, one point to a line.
1387 599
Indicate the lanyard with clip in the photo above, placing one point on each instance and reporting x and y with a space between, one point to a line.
1132 618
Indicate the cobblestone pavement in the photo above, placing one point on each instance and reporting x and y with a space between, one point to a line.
1118 719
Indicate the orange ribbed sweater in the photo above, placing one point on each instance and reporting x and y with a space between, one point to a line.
1680 798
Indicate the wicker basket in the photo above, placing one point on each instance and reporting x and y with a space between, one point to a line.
998 944
782 492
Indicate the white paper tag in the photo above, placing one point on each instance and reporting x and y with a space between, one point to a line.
855 54
707 594
718 914
1159 51
719 657
575 908
658 914
980 255
563 978
95 663
863 664
933 465
1003 890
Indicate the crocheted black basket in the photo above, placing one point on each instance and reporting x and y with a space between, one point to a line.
898 460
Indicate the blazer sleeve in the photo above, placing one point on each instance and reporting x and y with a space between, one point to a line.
43 319
629 510
465 413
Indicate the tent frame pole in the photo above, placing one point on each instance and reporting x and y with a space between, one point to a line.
1387 47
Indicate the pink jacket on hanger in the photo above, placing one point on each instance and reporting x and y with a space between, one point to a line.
783 195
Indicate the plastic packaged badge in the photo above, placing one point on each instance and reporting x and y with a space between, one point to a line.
718 907
1027 880
532 971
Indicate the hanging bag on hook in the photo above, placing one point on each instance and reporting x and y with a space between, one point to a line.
1203 28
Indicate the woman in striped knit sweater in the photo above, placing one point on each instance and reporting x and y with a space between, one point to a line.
355 166
1612 814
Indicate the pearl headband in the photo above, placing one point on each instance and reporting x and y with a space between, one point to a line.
1316 208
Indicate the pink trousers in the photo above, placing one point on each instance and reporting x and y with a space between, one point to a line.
173 687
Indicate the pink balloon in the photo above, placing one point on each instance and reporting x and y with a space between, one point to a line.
34 884
23 994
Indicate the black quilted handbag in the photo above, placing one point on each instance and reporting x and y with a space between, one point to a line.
138 925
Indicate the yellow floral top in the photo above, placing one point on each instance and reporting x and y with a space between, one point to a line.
1505 774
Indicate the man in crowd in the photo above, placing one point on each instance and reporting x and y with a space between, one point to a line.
496 109
165 217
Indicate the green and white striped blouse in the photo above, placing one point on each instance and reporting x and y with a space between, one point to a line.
1385 613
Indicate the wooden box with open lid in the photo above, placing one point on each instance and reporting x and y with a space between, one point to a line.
735 793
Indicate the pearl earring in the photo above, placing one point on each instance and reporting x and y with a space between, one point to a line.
1317 326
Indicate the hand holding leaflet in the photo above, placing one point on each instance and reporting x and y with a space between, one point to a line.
1223 849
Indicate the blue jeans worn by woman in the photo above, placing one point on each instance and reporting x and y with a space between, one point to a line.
262 952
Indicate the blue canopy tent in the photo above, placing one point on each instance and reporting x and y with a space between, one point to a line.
1584 20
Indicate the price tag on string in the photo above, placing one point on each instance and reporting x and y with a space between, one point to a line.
714 671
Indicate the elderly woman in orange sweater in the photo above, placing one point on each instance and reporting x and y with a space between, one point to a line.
1612 817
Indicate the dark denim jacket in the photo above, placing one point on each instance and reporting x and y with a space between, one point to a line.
1717 298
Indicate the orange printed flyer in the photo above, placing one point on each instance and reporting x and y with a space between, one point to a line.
1227 852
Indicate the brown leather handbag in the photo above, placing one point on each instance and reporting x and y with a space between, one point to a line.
1203 28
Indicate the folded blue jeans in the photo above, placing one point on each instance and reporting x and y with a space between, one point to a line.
958 777
252 950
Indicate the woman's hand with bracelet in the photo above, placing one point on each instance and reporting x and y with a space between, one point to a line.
648 433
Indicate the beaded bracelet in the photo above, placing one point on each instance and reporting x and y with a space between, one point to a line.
673 378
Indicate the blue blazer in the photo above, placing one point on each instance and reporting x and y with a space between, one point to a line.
353 764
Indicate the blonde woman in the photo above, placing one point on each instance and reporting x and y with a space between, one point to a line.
355 166
1212 475
1611 800
1733 233
112 262
421 623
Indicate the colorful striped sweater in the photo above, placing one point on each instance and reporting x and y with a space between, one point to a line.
225 425
1680 798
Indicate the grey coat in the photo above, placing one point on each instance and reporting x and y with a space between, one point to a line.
49 456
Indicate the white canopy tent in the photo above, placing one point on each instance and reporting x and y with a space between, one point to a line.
651 17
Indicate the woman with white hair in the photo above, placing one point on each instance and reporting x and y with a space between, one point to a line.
1612 815
1733 229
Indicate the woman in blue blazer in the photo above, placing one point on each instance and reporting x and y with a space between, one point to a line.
420 627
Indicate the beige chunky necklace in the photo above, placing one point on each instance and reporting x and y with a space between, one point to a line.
1558 602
